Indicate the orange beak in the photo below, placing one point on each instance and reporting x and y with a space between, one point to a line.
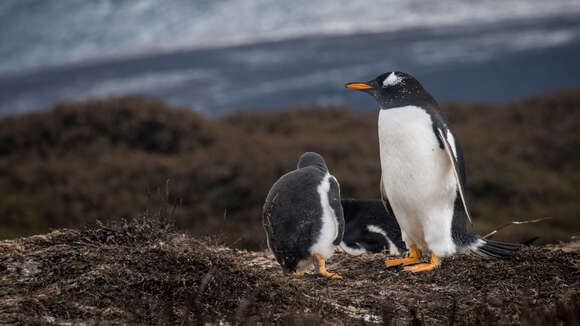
358 86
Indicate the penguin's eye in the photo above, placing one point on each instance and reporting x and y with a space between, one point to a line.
392 80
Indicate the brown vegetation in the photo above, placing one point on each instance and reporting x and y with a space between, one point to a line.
143 272
118 158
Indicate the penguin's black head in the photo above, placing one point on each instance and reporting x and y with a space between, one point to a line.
394 89
312 159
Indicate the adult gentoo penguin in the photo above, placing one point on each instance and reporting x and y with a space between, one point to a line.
303 217
369 228
423 173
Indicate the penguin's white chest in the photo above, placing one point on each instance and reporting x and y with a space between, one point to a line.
418 178
323 245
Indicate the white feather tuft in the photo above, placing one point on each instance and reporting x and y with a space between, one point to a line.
351 250
392 79
376 229
393 250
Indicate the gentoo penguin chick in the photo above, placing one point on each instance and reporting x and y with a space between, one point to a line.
303 217
369 228
423 173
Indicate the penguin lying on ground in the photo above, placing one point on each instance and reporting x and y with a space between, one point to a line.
423 173
303 217
369 228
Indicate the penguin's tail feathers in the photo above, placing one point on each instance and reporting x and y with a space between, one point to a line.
495 249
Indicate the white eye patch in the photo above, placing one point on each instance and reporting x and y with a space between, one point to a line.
393 79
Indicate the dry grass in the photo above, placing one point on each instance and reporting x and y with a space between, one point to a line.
113 159
144 272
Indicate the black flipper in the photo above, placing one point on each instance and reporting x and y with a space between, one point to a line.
335 204
453 160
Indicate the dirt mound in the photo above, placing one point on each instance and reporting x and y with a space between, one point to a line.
144 272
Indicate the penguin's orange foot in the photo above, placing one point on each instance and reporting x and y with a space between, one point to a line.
414 258
420 267
404 262
435 262
299 274
331 275
320 266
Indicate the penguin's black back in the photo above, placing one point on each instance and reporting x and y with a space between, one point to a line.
358 214
292 214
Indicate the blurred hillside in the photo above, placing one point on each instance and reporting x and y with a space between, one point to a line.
109 159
